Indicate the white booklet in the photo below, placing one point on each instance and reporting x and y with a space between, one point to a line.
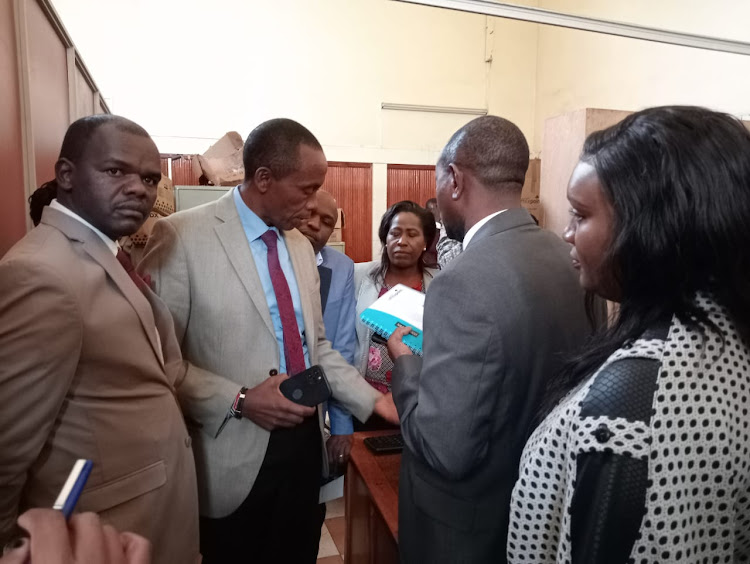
399 306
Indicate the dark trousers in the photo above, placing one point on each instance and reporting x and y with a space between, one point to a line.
279 521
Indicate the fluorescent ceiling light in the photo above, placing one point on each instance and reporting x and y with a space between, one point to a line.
434 109
560 19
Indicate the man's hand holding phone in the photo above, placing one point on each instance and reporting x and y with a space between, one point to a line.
267 407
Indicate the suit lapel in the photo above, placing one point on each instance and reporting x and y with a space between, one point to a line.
234 241
326 275
99 252
165 327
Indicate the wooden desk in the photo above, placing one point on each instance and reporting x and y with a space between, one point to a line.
371 504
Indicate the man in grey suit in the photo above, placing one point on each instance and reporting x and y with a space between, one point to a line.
498 321
243 288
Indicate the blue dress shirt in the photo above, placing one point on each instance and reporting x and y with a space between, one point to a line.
254 227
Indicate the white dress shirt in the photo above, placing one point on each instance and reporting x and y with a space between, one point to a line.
55 205
476 227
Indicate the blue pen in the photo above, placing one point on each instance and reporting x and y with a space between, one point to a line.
73 487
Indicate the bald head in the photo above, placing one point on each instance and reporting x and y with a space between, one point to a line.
326 202
493 150
480 171
319 227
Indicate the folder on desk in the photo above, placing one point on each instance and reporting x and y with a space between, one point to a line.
400 306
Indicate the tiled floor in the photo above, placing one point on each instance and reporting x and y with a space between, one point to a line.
331 549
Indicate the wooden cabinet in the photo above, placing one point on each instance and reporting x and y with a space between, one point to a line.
561 146
371 504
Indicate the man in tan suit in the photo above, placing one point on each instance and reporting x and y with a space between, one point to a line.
218 269
88 357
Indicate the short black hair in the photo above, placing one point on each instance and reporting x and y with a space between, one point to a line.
493 148
274 144
80 132
41 198
428 230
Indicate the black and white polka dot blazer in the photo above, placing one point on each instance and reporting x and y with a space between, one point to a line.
647 461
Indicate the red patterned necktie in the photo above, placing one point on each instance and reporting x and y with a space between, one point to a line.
293 353
127 264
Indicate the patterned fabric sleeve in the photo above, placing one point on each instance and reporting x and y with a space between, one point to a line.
609 496
447 249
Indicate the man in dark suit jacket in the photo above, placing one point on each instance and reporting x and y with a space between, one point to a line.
498 321
89 360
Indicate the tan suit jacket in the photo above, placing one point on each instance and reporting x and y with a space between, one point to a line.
82 376
203 268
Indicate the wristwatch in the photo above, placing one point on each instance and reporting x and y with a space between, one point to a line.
236 409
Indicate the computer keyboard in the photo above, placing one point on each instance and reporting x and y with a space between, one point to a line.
385 444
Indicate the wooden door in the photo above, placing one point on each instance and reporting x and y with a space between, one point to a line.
183 173
410 182
351 185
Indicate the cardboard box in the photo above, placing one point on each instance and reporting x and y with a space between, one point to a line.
163 206
530 191
222 162
336 236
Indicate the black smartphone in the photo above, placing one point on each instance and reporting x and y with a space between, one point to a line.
309 387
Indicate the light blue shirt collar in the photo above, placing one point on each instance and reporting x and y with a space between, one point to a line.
254 227
253 224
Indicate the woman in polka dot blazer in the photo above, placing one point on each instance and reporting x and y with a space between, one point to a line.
646 457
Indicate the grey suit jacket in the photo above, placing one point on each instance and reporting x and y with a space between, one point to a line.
203 269
498 320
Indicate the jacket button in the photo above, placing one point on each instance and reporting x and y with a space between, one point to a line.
602 433
188 442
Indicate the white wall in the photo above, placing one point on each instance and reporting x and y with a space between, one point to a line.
577 69
189 71
726 19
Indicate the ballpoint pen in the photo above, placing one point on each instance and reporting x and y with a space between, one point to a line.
73 487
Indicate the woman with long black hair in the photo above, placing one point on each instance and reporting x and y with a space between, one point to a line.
646 456
405 232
